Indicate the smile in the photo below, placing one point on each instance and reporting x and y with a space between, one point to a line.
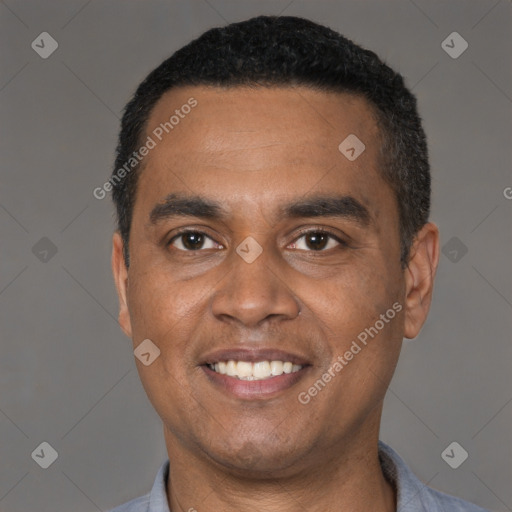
260 370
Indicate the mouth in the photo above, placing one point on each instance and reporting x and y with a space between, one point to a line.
254 374
260 370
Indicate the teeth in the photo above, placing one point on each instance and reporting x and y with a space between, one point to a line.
276 367
260 370
287 367
243 369
231 368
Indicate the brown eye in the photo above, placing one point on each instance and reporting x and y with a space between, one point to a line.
317 241
193 241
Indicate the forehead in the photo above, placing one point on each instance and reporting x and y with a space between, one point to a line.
241 118
241 138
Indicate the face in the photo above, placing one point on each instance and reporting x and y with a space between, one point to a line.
261 256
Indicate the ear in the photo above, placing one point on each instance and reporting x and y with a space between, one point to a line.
419 278
121 279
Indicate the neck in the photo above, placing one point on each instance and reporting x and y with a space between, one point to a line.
350 479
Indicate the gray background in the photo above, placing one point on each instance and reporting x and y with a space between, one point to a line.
67 373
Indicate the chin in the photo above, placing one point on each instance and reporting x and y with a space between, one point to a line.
254 459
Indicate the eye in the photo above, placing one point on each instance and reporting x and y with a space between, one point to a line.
193 241
316 240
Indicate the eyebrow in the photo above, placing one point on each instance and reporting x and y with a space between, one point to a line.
176 205
330 206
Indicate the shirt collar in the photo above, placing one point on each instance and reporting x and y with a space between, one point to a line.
158 495
411 493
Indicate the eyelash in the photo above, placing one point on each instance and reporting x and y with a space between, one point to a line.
301 233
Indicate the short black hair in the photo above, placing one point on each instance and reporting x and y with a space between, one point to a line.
290 51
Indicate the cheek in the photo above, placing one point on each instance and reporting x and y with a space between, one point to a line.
166 312
362 312
158 303
353 299
169 312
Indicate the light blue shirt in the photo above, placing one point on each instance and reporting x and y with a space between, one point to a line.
412 495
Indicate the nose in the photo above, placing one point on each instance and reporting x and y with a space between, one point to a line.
254 292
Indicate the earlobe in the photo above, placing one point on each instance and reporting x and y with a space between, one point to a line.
419 278
121 280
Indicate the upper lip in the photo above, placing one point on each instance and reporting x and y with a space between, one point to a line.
253 356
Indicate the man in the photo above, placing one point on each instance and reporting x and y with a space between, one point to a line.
272 188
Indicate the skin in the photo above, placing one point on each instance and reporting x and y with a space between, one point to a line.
254 150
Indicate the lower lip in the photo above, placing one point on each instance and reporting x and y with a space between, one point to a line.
254 389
